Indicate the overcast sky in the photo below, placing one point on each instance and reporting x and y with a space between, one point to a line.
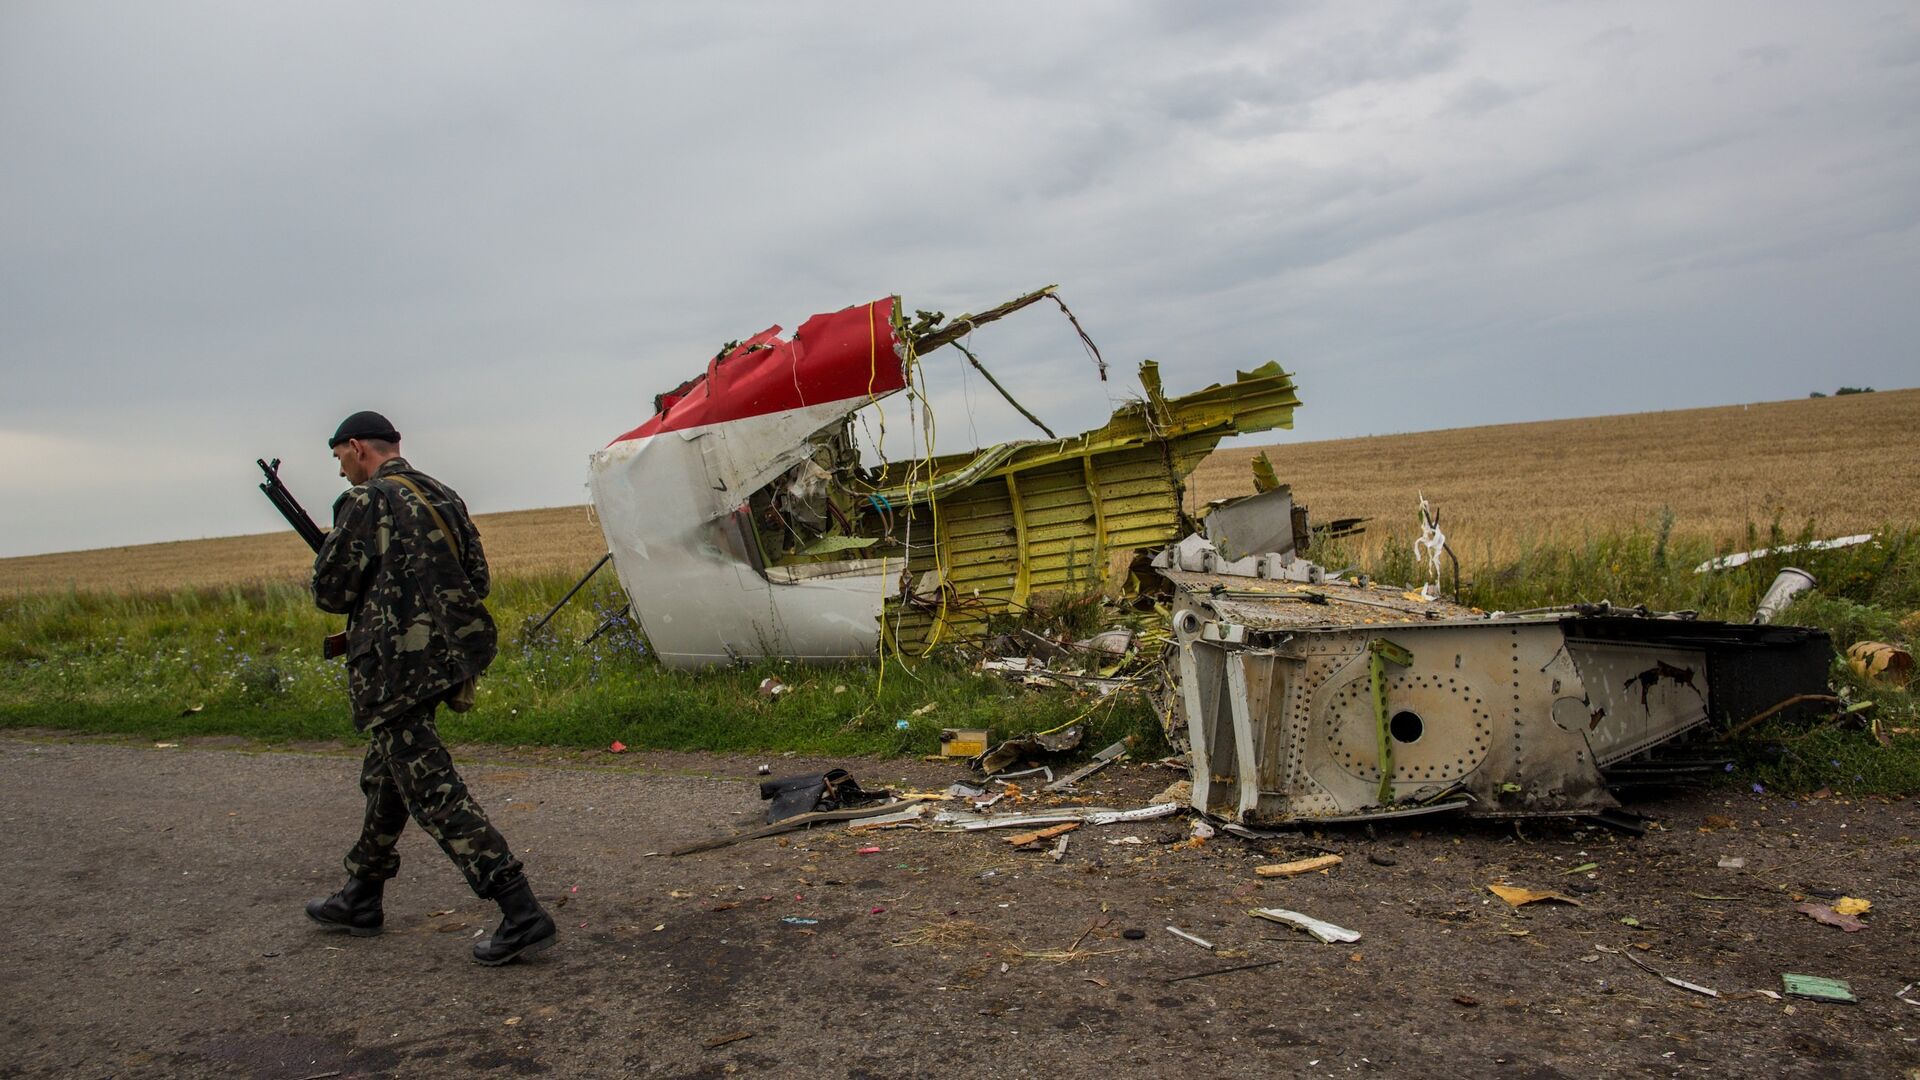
225 226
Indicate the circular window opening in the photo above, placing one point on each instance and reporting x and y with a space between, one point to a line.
1406 727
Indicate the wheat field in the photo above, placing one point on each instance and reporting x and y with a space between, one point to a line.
1850 464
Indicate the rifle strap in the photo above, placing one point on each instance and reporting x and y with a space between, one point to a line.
440 522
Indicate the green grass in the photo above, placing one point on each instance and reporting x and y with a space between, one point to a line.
246 662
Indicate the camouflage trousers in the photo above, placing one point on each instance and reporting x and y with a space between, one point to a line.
408 772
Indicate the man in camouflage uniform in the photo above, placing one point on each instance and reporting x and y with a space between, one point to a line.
403 562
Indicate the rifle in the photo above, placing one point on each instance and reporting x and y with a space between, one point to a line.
296 515
289 507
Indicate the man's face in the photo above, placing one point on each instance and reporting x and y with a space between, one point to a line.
353 457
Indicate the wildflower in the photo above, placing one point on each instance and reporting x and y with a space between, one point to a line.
1758 790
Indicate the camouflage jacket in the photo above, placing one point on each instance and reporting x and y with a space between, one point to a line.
416 627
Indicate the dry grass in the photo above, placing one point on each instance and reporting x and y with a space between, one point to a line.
560 540
1850 463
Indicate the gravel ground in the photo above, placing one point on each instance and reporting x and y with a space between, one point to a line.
157 891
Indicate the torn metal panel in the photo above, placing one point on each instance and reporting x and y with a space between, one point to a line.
1252 525
1333 701
742 522
1025 518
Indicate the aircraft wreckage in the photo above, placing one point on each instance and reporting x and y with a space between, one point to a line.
742 523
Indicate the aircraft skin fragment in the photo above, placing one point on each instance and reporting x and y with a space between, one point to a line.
1510 716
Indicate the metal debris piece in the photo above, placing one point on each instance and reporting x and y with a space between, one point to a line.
1880 662
1344 702
1057 741
1184 936
811 792
1325 931
791 824
1728 562
913 814
1670 980
1816 988
962 821
1787 584
1100 761
964 742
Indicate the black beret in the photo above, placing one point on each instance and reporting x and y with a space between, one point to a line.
364 425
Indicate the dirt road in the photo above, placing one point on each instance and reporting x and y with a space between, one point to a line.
153 907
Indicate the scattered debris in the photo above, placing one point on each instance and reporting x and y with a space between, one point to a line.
1378 859
722 1040
1732 862
1852 905
616 747
964 742
1518 897
1822 913
1728 562
771 688
963 821
799 920
1126 840
812 792
1787 584
1023 839
1325 931
799 821
1681 983
1100 761
1059 740
913 814
1059 849
1298 866
1134 934
1581 869
1816 988
1901 995
1226 970
1880 662
1184 936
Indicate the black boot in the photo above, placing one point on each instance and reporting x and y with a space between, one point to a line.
526 928
355 908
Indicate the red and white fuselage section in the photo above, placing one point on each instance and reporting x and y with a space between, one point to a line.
671 497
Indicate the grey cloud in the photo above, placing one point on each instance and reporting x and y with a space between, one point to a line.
512 226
